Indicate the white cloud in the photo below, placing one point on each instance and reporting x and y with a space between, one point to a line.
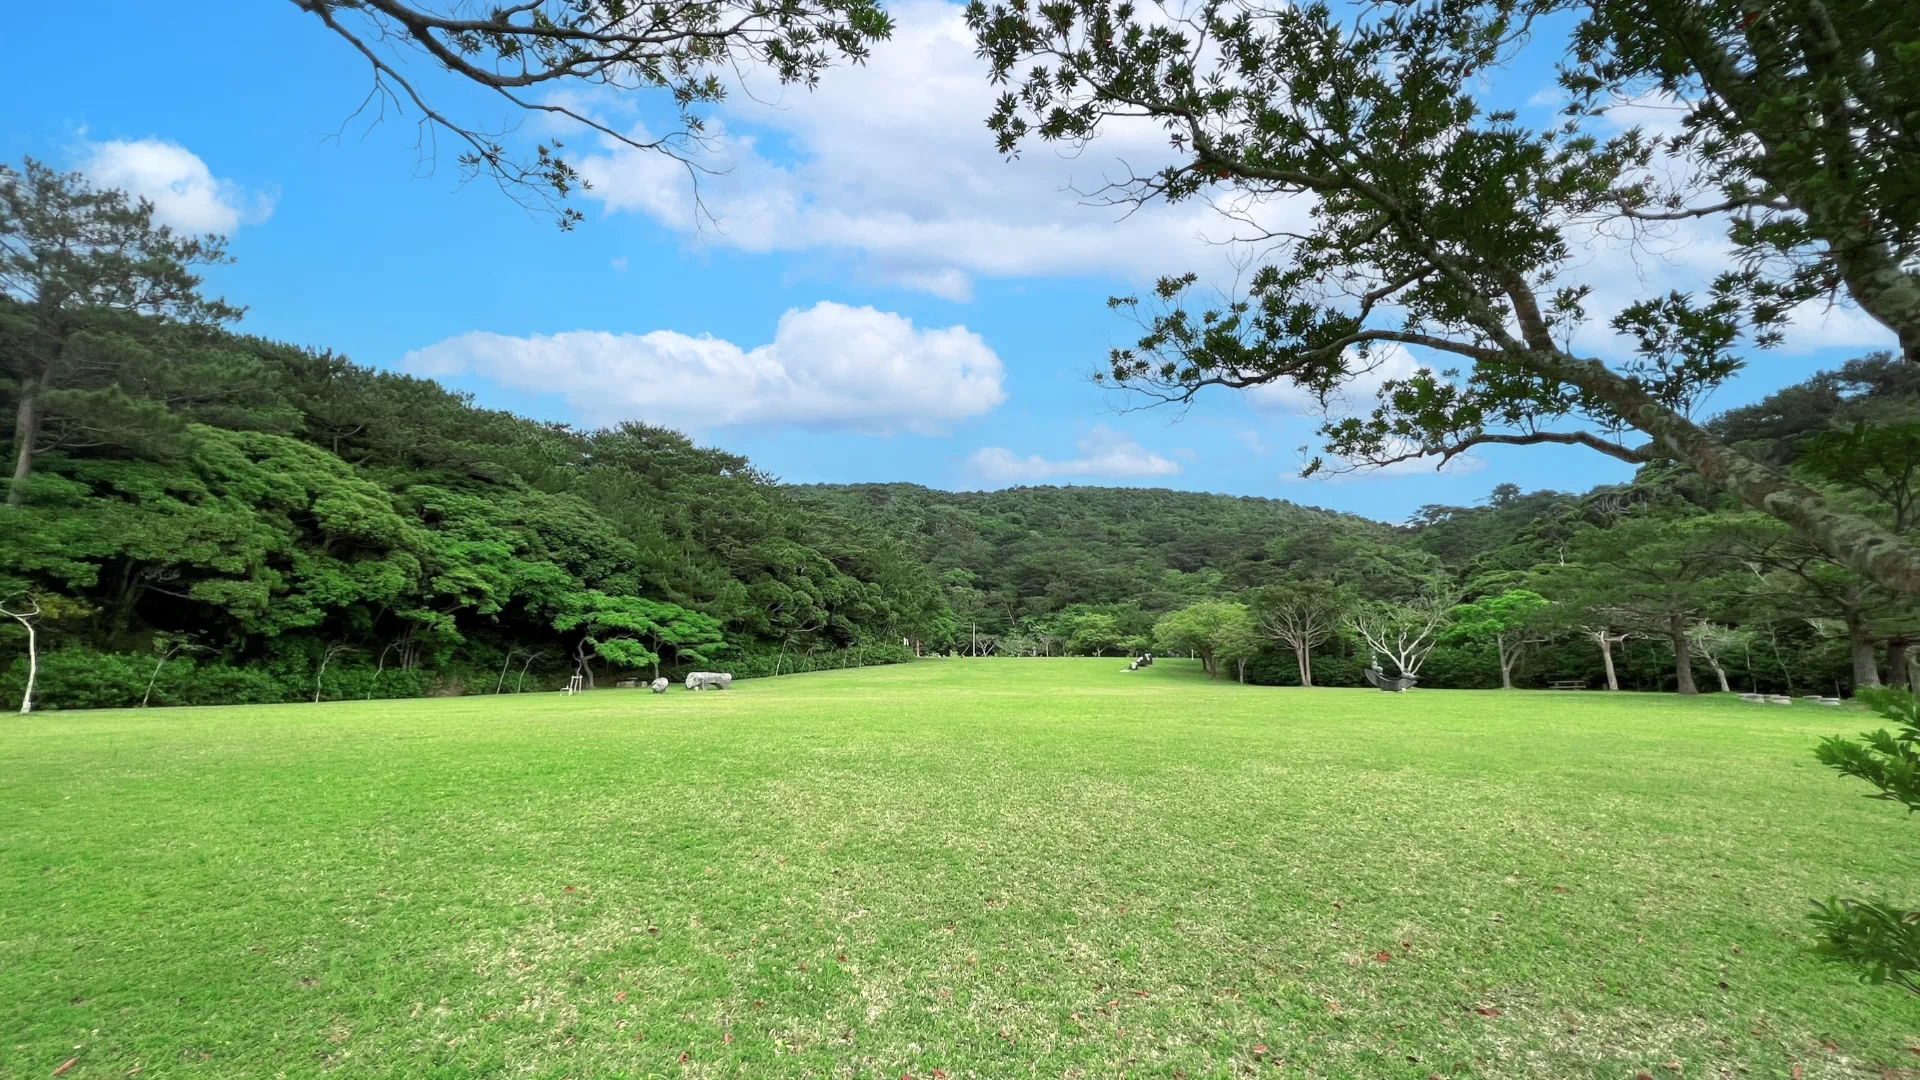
619 262
184 192
829 366
1104 453
889 165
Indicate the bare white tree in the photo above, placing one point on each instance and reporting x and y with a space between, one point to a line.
1406 633
325 659
521 683
1302 621
1713 641
1607 637
25 610
165 648
504 664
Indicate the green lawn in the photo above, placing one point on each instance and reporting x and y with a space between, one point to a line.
955 868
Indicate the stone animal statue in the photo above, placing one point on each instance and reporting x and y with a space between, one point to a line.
659 686
709 680
1392 686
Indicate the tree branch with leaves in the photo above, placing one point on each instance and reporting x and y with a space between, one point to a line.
1435 223
527 53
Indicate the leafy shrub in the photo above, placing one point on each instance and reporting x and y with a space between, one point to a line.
1882 942
761 663
81 678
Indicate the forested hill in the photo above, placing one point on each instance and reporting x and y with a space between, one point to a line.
196 516
1026 552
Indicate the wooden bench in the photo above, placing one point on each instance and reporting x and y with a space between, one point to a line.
1567 684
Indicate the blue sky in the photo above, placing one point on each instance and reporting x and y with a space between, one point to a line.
883 298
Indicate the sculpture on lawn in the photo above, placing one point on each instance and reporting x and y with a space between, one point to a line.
659 686
709 680
1392 686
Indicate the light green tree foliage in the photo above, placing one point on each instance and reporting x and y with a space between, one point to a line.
270 533
1213 630
1090 633
1510 620
1237 641
631 631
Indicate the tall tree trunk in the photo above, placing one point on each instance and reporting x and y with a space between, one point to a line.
1304 661
1866 666
1898 673
1719 673
1682 657
33 668
586 667
1507 655
26 432
25 618
1606 658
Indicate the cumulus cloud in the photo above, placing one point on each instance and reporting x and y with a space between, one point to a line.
888 165
830 366
1104 453
184 192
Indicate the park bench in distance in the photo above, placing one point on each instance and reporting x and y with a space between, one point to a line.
1567 684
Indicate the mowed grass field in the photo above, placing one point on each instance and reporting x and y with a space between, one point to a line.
950 869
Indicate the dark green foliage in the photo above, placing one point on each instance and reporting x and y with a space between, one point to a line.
1882 941
1889 762
353 532
1011 557
1876 388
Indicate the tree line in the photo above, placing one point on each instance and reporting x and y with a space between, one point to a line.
1661 583
196 516
199 516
